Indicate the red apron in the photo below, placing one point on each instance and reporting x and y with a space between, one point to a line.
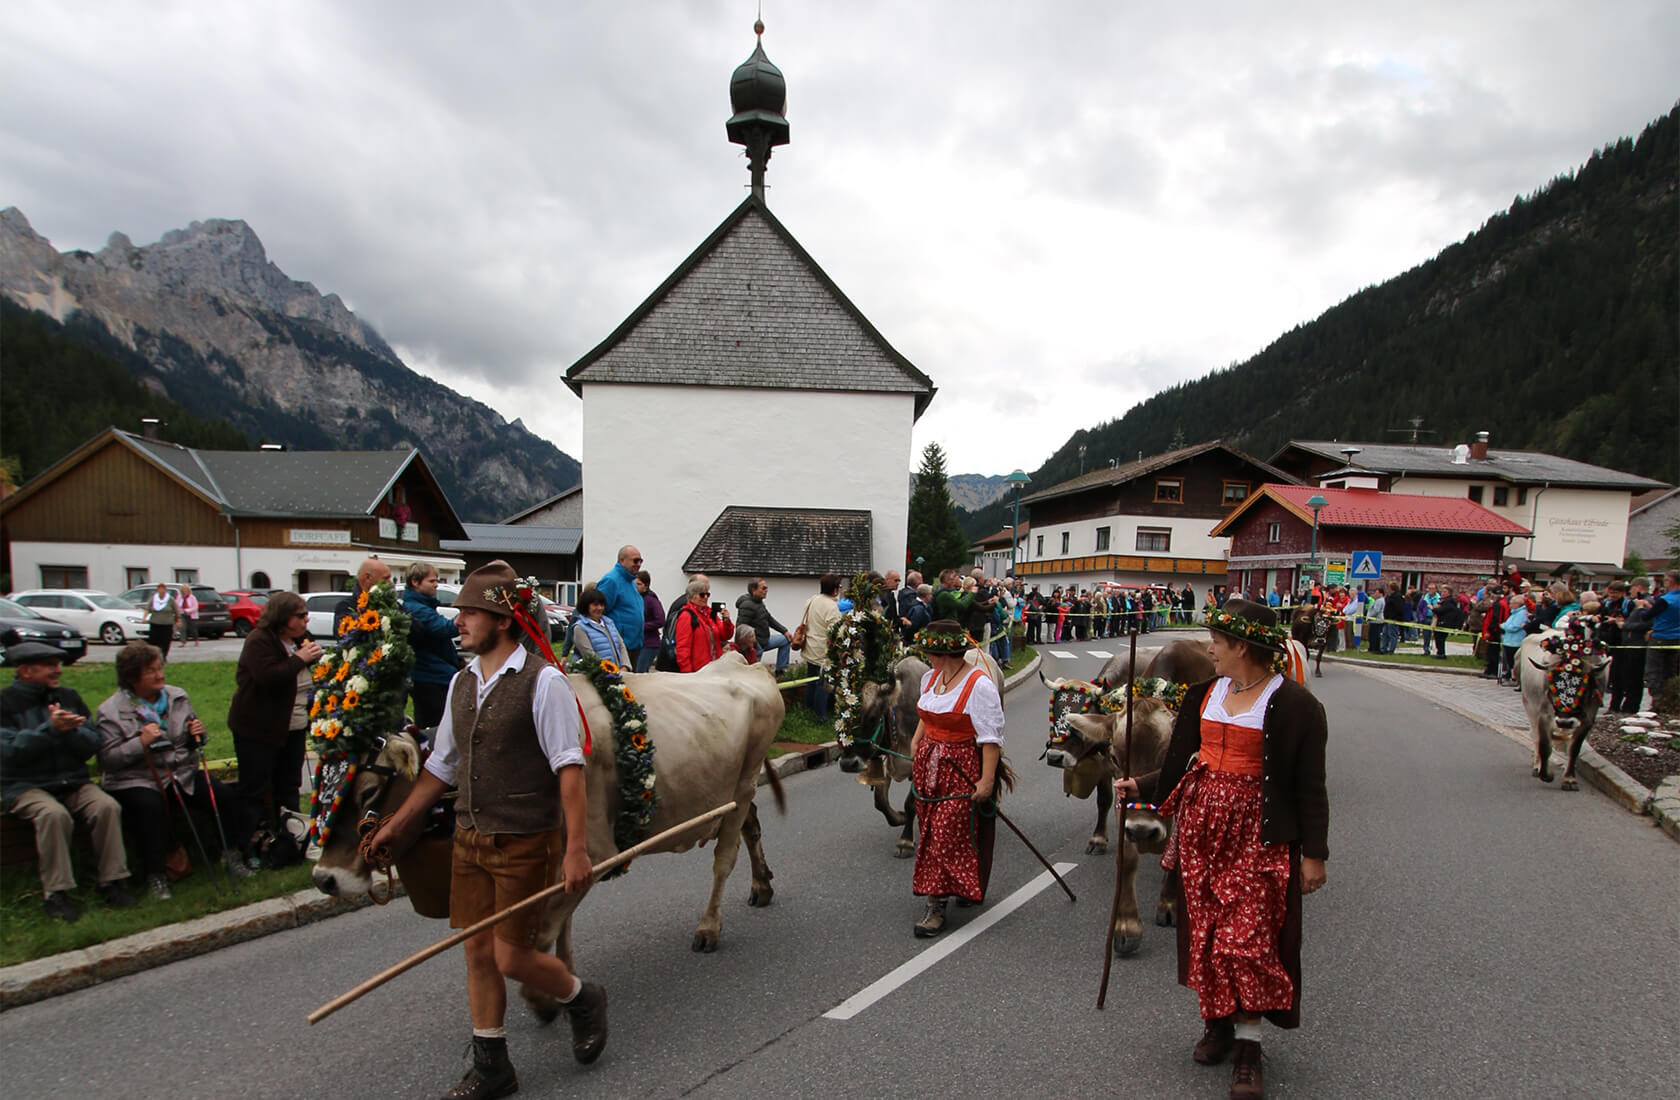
954 846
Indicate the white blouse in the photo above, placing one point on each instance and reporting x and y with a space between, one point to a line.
1252 719
985 705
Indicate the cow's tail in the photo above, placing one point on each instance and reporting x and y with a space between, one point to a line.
775 783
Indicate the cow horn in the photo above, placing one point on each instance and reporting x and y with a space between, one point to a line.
1053 685
1538 665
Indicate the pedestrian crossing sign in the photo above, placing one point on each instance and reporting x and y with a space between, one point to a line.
1367 565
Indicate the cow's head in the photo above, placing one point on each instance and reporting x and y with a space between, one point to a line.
379 786
1577 670
1068 697
1152 722
875 717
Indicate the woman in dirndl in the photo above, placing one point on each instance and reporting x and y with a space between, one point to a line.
1243 778
954 768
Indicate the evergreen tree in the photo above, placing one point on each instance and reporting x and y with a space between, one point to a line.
934 535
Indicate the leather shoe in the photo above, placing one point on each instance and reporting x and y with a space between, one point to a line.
933 919
1245 1072
116 895
1216 1042
491 1075
57 903
588 1012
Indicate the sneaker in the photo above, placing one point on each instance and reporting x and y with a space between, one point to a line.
116 895
159 887
588 1012
57 903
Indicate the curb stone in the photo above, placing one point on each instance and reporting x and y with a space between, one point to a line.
829 751
41 979
1665 806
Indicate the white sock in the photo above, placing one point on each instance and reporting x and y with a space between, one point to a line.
489 1033
1251 1032
577 987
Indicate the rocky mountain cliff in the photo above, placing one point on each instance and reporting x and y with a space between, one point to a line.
226 334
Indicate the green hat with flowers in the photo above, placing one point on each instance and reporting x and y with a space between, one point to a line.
1247 621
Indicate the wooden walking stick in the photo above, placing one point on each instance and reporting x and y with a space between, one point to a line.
1120 827
494 919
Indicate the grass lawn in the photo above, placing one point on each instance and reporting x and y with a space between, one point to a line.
26 932
1409 657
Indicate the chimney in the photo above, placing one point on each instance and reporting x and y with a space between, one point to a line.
149 427
1478 449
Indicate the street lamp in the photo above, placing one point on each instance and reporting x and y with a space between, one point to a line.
1019 480
1315 502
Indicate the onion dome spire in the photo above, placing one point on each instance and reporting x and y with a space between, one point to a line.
758 96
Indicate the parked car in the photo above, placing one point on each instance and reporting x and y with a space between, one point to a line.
320 607
23 624
96 614
446 594
214 620
246 607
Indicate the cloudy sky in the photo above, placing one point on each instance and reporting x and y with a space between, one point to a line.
1053 209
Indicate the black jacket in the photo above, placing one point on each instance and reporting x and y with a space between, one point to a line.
32 753
750 611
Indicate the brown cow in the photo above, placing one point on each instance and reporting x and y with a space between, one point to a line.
1312 628
711 730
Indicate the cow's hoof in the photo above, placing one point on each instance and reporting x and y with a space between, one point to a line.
1570 784
760 896
904 850
1097 847
1127 946
1164 918
704 943
895 821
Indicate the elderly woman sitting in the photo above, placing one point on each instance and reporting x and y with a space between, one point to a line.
594 634
149 739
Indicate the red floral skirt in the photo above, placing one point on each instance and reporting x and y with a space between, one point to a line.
954 833
1236 894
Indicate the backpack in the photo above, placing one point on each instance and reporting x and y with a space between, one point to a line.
667 659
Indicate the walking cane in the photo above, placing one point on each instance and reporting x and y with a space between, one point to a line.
215 810
186 814
494 919
1120 828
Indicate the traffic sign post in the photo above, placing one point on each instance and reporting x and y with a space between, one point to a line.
1335 572
1367 565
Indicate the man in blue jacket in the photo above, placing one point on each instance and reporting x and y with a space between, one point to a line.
1662 659
624 599
46 737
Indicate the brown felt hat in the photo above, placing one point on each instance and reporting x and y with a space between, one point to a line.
492 587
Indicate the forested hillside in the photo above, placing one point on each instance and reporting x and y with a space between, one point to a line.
1553 327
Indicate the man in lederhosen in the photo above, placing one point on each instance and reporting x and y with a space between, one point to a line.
511 727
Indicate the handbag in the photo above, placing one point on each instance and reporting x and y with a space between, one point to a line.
797 640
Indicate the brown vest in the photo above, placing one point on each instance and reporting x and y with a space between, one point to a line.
503 777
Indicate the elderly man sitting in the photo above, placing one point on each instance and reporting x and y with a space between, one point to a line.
45 740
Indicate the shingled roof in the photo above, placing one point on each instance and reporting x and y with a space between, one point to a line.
751 308
515 538
1117 475
1516 467
785 542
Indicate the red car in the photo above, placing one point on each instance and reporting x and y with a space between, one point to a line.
245 606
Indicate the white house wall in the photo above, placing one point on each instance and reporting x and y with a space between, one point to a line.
220 567
660 463
1190 538
1588 526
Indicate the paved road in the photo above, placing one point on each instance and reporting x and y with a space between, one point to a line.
1481 935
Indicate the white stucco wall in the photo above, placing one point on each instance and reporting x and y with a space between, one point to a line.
1190 538
660 463
1588 526
107 563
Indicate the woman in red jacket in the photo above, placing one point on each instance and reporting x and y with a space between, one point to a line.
703 629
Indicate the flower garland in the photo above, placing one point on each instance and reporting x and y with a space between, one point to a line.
358 690
1275 638
1157 688
863 647
1571 686
632 750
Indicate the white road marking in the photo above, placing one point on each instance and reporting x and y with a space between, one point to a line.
947 944
1062 654
1103 653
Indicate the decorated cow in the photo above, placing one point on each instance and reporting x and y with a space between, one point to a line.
1563 675
1310 627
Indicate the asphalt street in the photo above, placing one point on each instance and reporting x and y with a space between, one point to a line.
1480 935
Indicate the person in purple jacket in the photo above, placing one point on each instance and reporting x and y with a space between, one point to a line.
653 622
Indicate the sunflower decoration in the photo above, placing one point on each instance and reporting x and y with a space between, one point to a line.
863 647
361 683
638 798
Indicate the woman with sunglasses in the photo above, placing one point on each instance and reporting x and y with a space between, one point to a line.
269 716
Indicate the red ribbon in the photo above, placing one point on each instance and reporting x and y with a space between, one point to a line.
523 618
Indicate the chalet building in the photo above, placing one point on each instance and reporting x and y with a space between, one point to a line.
747 340
122 511
993 553
1650 519
1148 522
552 555
1422 539
560 510
1577 513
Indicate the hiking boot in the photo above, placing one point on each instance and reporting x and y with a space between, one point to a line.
588 1012
116 895
158 885
490 1075
1216 1042
57 903
1245 1071
238 867
933 919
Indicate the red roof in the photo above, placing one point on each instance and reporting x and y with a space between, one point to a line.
1392 511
